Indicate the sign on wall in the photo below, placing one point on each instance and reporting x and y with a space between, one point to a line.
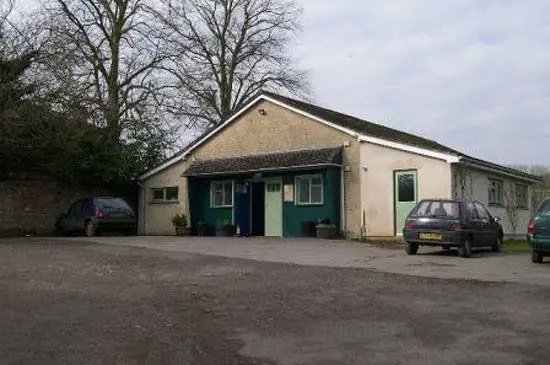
289 193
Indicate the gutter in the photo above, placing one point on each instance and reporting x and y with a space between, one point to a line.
501 170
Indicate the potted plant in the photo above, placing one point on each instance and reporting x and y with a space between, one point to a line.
224 228
325 229
180 223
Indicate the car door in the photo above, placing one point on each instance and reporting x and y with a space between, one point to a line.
474 224
83 214
70 218
486 224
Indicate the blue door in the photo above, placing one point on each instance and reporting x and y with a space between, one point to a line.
242 208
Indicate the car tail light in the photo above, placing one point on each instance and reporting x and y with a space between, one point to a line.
531 227
457 227
98 212
409 225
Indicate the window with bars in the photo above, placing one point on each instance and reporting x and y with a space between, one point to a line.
221 194
309 190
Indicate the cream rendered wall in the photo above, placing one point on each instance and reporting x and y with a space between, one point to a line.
478 189
155 218
378 164
278 129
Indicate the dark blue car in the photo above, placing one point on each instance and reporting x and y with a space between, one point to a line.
94 215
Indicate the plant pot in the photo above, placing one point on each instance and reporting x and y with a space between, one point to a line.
183 231
327 231
224 231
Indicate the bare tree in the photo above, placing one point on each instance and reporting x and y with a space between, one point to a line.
511 207
463 182
225 51
103 55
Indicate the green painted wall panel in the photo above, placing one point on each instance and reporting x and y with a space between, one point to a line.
293 215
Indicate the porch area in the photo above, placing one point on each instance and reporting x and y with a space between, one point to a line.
274 194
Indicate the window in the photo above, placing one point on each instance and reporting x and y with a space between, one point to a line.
309 190
437 208
221 194
482 212
495 192
273 187
471 212
405 188
522 196
165 194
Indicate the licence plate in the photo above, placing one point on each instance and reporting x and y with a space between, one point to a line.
431 236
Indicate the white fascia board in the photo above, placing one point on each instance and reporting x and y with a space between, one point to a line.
235 116
449 158
165 165
499 172
199 142
311 116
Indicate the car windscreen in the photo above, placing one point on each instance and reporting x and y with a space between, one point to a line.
436 209
113 204
544 208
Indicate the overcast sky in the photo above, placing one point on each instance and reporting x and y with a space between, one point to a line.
474 75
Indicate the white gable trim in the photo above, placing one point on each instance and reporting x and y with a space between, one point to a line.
421 151
500 172
416 150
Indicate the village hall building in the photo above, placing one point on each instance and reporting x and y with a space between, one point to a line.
279 162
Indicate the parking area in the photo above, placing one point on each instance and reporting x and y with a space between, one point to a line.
170 300
429 262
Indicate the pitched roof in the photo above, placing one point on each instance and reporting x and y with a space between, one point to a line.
267 161
362 126
350 123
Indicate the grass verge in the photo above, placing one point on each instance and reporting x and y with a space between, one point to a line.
515 245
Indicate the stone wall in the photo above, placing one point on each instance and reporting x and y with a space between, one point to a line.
31 207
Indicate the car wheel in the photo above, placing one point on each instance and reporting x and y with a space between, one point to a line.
466 249
89 229
536 257
497 246
411 248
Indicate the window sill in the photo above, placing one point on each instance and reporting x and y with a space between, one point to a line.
309 204
221 207
155 202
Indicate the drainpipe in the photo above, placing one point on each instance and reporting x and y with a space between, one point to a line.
141 208
342 201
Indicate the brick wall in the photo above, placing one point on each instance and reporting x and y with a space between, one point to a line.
32 206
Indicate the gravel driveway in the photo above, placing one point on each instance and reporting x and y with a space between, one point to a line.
430 262
67 301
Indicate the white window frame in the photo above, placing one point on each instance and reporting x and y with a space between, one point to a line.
500 197
310 178
212 192
164 194
526 205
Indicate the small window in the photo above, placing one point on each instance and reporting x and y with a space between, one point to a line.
221 194
405 188
165 194
496 196
522 196
309 190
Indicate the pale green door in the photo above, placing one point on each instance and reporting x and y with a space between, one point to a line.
405 197
273 208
